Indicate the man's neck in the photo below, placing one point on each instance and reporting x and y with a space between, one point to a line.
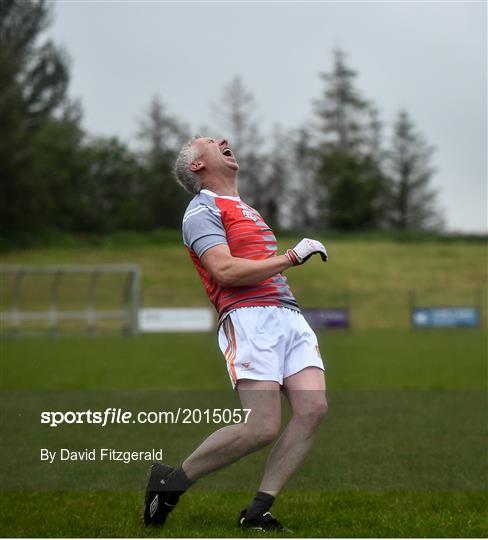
221 186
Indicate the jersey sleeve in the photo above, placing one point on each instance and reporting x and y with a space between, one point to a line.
203 229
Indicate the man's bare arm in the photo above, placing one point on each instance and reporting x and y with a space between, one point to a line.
229 271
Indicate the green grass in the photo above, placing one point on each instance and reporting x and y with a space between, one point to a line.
402 451
373 360
339 515
391 392
375 277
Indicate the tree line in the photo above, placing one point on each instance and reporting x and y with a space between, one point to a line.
335 172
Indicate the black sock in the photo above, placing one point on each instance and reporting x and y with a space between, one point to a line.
177 482
259 505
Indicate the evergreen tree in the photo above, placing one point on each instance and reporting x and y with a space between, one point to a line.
162 136
33 82
341 110
305 192
374 138
413 200
351 185
35 72
274 201
56 167
111 189
235 115
355 196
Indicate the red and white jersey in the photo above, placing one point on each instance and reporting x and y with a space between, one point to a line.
212 219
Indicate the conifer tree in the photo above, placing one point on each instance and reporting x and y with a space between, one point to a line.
235 113
350 182
413 200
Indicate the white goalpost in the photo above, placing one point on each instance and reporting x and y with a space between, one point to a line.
58 298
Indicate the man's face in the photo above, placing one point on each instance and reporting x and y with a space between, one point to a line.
214 155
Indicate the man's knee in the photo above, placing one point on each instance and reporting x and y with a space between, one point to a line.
260 434
313 414
320 411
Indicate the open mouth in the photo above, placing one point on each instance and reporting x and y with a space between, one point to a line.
227 152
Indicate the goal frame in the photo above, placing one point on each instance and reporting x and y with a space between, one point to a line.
14 316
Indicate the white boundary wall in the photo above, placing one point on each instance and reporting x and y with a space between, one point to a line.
154 320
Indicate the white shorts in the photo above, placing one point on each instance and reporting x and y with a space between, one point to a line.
267 344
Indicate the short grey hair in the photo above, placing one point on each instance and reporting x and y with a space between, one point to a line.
184 175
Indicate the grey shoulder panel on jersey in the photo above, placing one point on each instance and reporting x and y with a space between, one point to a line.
202 225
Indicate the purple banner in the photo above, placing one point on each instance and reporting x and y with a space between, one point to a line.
320 318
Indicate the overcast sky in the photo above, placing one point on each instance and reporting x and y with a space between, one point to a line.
429 58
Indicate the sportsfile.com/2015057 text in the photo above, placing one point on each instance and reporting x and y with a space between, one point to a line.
113 415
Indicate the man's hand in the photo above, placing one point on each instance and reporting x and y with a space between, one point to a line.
304 250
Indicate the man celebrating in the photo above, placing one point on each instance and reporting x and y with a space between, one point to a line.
267 344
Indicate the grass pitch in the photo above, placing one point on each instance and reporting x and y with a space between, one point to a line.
392 366
340 515
376 278
402 451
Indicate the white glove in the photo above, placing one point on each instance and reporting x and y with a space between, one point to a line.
304 250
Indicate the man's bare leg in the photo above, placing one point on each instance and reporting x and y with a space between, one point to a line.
220 449
306 393
230 443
